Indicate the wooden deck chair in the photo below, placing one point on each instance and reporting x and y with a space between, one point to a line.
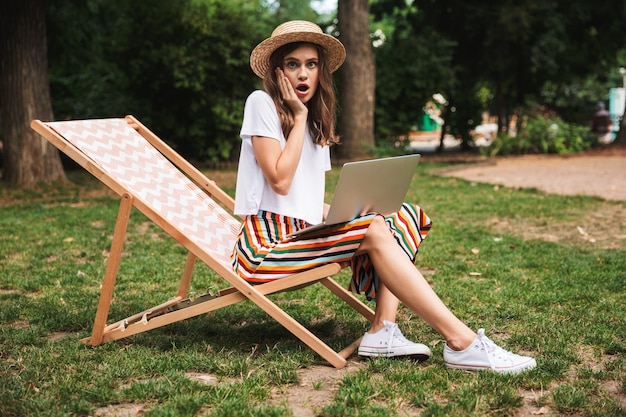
148 175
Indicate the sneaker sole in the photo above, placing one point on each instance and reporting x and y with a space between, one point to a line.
418 356
514 370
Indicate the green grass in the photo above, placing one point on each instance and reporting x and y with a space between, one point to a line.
562 302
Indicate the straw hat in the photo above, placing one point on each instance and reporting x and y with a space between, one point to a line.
296 31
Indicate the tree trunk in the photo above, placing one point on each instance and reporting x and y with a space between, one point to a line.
358 79
25 94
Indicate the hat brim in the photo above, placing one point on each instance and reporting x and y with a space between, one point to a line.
260 56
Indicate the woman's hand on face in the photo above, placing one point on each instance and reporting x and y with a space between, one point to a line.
289 95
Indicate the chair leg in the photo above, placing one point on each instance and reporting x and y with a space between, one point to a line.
349 350
258 296
297 329
119 330
113 263
185 282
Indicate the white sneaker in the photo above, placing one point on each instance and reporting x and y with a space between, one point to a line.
389 343
484 354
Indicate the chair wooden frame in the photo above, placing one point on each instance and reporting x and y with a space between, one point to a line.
238 290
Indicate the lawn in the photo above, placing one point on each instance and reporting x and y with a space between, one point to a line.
559 299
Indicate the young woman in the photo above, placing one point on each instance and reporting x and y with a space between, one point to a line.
287 132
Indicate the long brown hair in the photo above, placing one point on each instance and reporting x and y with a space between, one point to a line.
322 106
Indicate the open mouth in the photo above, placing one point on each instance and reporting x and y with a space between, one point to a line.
302 88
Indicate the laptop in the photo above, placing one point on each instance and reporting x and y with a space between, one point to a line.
375 185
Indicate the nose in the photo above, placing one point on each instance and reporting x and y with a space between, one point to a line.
302 73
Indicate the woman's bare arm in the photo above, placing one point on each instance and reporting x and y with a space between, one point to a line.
279 165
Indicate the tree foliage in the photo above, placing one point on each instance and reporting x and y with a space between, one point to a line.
181 66
412 63
560 53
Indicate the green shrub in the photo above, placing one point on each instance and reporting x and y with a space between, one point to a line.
546 135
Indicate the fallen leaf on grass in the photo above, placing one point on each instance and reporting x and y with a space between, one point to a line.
585 234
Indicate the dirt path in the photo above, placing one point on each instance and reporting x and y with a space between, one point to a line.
599 173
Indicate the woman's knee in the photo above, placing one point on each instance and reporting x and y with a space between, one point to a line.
376 236
378 230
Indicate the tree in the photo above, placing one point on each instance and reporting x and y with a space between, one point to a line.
284 10
412 63
530 52
25 94
180 66
358 80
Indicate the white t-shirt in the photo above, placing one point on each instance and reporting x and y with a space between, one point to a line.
305 199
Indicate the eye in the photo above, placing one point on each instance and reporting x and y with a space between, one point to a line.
312 64
291 64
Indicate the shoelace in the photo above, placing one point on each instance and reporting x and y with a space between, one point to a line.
394 331
491 348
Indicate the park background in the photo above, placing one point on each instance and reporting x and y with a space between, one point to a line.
543 273
489 68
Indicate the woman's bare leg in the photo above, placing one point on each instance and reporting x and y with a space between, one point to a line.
401 280
386 307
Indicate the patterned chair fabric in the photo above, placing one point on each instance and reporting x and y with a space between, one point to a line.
150 177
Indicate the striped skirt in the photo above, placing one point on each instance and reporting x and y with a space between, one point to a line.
264 252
